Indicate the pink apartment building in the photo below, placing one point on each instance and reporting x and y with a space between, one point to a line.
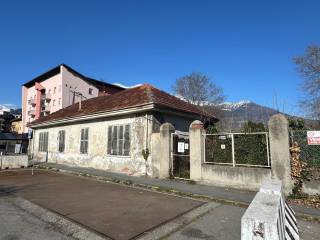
58 88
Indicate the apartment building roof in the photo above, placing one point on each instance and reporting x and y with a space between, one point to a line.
101 85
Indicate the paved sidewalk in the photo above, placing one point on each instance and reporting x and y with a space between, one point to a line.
213 192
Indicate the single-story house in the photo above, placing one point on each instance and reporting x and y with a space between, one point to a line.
110 132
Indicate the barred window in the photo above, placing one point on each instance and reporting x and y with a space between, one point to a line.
61 140
43 141
119 140
84 140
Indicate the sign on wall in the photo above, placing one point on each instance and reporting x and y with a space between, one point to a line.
186 146
313 137
181 147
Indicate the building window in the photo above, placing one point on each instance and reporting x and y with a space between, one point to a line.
59 101
84 140
43 141
119 140
53 102
54 89
90 91
61 140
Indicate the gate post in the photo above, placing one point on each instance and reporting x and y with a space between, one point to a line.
165 143
279 150
196 132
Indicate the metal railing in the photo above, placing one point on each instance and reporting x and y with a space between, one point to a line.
237 149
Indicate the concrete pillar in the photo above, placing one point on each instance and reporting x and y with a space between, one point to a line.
279 150
196 138
165 143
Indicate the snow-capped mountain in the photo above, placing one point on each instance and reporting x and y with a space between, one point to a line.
126 87
232 116
230 106
9 108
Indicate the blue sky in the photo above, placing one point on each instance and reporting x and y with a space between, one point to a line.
246 47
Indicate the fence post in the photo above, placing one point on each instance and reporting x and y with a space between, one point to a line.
196 138
165 144
279 150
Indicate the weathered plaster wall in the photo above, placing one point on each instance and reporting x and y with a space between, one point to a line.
97 156
237 177
312 187
14 161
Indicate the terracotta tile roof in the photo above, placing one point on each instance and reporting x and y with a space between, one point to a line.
133 97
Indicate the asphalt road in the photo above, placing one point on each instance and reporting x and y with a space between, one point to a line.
16 224
116 211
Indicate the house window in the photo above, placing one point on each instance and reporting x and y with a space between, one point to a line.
119 140
90 91
61 140
84 140
43 141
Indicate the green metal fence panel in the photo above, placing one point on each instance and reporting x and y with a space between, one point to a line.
309 153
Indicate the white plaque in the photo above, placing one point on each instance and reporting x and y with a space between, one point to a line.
181 147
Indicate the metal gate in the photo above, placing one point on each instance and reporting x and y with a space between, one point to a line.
180 155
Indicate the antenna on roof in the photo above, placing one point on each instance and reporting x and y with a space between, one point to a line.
77 94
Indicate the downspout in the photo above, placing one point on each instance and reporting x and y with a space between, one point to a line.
147 130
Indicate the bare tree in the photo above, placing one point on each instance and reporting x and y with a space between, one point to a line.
308 66
198 89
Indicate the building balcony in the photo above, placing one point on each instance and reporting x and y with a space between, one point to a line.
32 102
46 96
45 109
32 112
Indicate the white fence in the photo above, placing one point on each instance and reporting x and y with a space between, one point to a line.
237 149
269 217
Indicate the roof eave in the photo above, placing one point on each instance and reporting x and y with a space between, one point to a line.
136 109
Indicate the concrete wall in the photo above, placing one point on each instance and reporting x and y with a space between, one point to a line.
311 187
243 177
236 177
97 156
13 161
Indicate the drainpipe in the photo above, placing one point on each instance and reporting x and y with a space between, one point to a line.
147 130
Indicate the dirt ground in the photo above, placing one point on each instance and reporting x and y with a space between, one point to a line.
116 211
